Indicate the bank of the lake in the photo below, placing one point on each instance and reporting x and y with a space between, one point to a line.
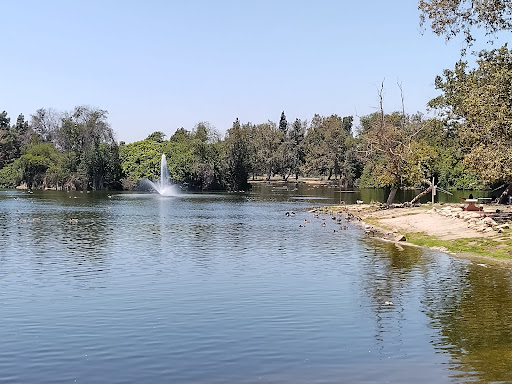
443 227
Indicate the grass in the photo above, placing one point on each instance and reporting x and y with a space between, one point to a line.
500 247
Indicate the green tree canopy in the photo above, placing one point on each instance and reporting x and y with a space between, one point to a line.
478 103
450 18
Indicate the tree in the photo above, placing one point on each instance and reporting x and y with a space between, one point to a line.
450 18
35 162
46 123
326 146
237 145
297 155
395 158
5 139
87 136
22 134
477 103
347 124
157 136
266 141
316 161
283 124
140 160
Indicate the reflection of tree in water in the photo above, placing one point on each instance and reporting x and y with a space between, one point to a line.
472 310
386 278
77 239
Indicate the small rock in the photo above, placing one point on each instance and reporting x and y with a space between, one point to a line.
400 238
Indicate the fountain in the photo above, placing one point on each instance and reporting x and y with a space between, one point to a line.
163 186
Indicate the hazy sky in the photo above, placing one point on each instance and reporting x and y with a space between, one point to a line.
160 65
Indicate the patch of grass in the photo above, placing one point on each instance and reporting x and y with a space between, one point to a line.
372 221
500 248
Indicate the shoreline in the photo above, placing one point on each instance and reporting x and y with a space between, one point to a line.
475 235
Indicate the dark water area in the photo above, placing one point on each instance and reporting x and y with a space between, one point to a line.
335 195
225 288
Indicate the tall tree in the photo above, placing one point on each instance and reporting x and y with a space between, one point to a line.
156 136
391 149
283 124
326 142
86 133
237 145
478 102
46 123
266 139
450 18
298 154
5 139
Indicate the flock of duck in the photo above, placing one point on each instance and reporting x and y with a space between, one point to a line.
341 219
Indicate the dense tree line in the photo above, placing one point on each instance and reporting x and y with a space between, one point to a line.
77 150
467 145
72 150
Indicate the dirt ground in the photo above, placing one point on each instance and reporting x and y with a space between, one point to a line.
406 220
422 219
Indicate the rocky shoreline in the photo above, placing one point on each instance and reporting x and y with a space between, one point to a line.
445 227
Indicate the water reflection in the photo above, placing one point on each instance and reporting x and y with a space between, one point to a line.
227 288
335 195
55 233
471 310
388 275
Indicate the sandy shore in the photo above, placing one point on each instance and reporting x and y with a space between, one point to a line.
445 227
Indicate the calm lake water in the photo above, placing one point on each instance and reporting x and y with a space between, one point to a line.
225 288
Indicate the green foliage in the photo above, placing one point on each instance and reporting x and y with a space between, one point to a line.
35 162
77 150
450 18
193 159
11 175
237 156
330 148
140 160
157 136
283 124
480 101
266 141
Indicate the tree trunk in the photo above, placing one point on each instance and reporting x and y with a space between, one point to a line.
391 197
504 196
419 196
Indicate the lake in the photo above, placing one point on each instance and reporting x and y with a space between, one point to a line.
226 288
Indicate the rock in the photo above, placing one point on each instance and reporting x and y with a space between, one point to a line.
400 238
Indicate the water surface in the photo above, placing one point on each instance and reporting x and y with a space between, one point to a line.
218 288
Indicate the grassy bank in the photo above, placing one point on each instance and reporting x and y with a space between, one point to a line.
497 247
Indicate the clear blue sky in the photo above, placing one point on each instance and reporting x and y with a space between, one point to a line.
160 65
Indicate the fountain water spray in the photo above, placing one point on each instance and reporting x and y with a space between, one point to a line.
163 186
